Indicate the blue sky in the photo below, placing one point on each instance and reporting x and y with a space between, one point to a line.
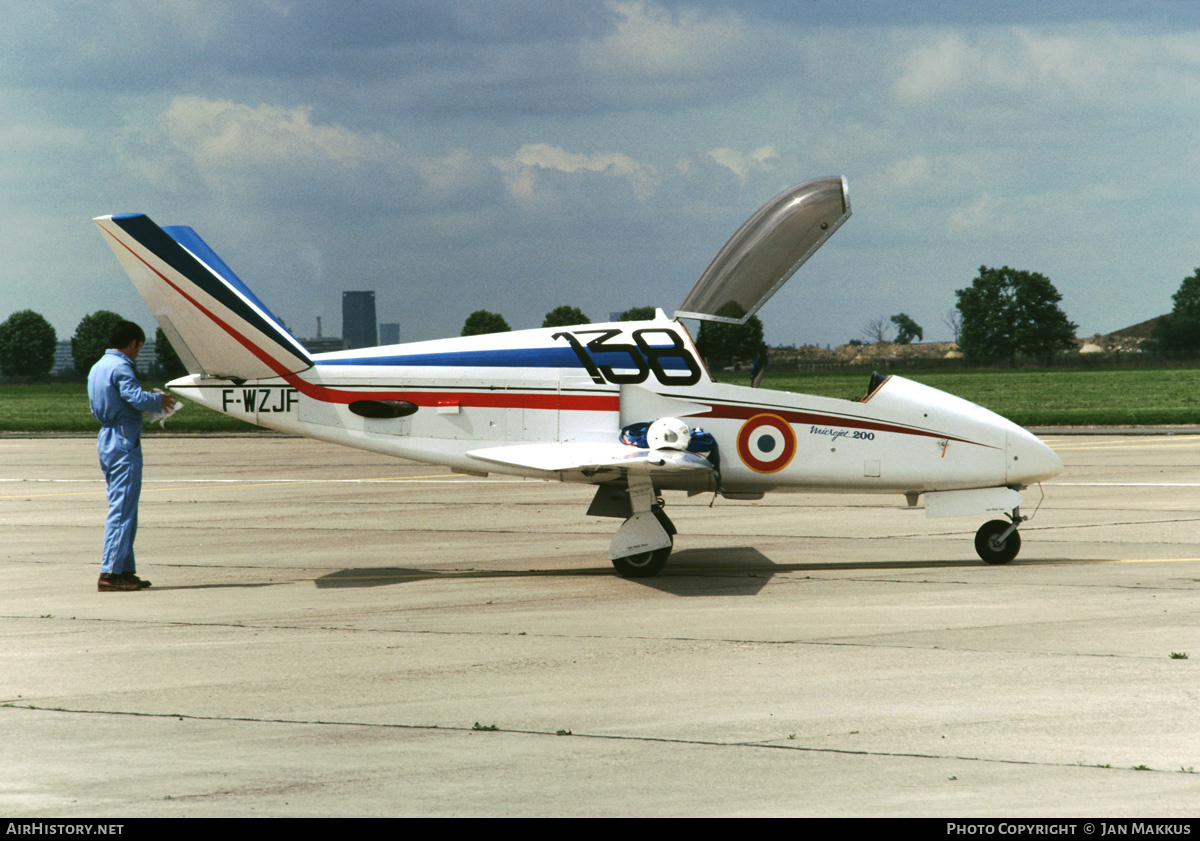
515 156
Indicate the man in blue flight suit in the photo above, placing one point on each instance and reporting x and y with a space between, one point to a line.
117 401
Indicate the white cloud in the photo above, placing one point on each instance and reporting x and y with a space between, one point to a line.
222 133
911 172
930 71
1071 62
450 174
1079 64
650 40
243 148
30 136
984 215
995 61
741 164
522 169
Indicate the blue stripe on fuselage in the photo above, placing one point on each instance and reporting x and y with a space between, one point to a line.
552 357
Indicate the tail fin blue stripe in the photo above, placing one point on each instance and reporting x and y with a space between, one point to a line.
189 239
225 287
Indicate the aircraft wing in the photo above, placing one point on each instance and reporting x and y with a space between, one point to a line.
559 457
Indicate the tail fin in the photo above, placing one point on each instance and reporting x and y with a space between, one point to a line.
214 322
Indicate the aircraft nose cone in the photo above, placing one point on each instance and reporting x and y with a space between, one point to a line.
1029 460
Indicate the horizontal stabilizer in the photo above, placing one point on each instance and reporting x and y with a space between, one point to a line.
554 458
215 323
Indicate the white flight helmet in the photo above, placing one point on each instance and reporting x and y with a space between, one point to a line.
668 434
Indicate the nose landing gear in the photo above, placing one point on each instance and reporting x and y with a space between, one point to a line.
998 542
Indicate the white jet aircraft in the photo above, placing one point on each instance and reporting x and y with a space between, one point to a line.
628 406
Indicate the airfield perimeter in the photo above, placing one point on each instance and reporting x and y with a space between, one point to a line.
332 632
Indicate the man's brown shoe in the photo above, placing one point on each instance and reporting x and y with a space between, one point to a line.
141 582
110 583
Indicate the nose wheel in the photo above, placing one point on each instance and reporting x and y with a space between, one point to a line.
998 542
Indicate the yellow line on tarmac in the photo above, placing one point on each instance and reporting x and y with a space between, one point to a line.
1139 441
40 496
238 484
1069 561
1148 560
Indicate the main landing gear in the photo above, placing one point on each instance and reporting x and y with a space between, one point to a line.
997 541
651 561
641 546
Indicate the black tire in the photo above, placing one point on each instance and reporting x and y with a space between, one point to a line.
643 564
990 548
665 521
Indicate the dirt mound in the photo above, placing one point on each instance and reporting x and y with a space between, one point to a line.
1126 340
860 354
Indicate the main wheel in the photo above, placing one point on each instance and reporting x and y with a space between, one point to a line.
643 564
649 564
991 548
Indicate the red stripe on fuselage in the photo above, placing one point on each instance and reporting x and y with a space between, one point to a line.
736 412
485 399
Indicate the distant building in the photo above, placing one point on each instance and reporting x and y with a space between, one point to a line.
389 334
323 344
147 361
64 362
358 319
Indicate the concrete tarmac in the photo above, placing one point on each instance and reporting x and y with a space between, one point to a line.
334 633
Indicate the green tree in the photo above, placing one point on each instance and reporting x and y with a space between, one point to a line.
91 339
638 314
482 321
166 359
1179 330
27 343
565 316
1006 313
723 345
906 329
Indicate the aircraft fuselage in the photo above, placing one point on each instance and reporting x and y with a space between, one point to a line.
583 384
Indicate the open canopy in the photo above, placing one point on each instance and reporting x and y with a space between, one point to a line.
767 250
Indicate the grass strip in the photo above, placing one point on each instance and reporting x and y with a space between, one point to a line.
63 407
1041 397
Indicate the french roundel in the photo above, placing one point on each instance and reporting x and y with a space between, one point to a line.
766 443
